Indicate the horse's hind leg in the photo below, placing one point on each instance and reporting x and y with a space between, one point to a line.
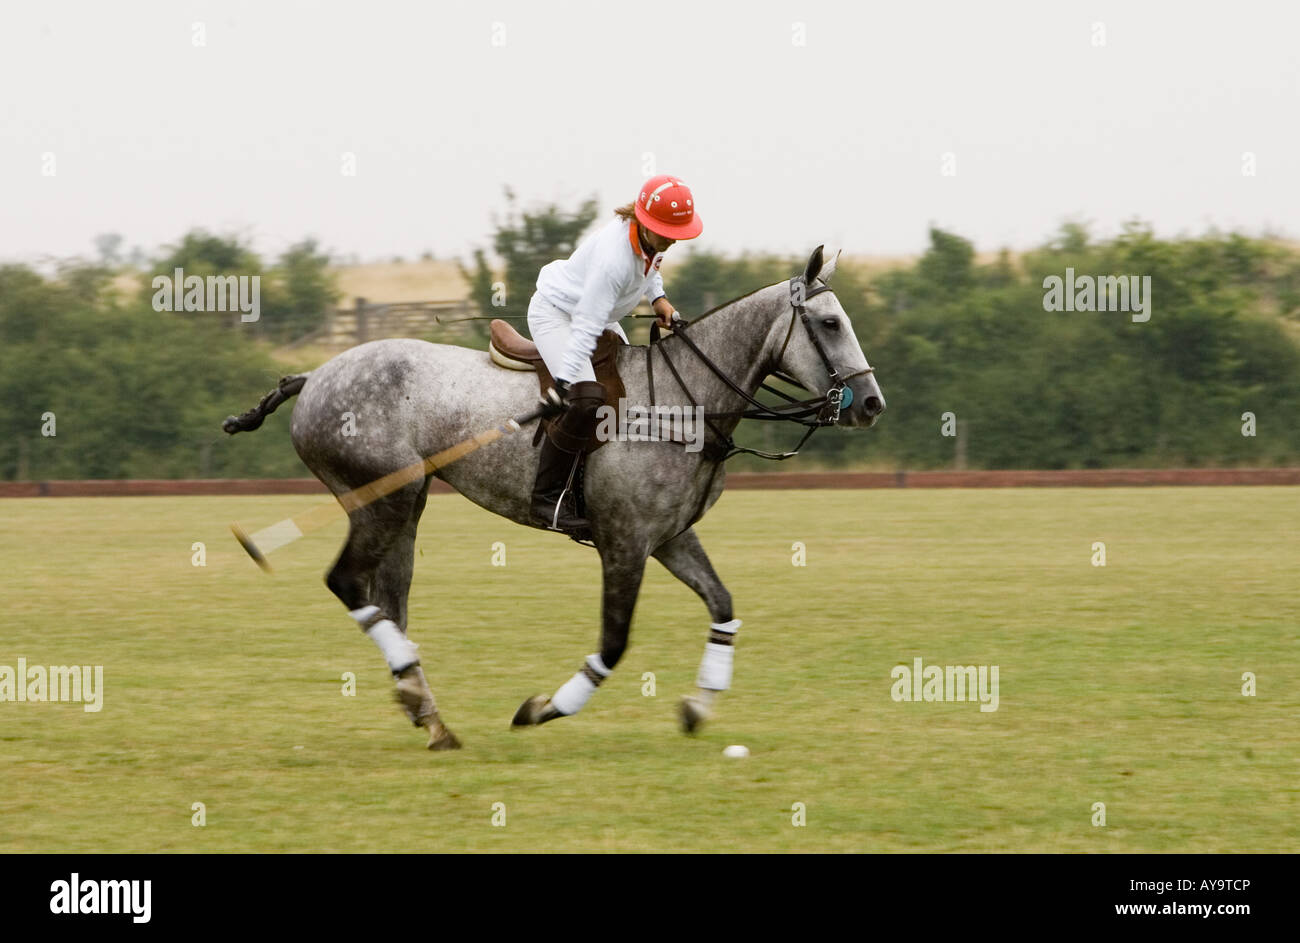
372 577
685 559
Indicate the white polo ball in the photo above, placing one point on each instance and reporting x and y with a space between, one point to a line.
736 751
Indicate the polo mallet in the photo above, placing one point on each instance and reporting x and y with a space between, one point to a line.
285 532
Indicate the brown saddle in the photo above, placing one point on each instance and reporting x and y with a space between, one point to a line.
511 350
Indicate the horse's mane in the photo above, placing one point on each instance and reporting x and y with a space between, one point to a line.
728 304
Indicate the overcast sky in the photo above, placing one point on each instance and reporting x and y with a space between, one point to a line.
795 122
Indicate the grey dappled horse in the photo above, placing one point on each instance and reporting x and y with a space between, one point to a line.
411 399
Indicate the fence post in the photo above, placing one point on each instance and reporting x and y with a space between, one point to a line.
361 320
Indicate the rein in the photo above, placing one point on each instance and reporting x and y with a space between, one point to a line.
813 413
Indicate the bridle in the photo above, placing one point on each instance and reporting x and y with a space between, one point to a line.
840 395
812 413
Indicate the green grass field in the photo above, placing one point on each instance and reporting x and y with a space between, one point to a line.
1119 685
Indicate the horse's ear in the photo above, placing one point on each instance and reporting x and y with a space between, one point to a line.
814 265
828 269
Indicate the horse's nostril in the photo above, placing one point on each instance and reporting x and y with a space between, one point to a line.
872 406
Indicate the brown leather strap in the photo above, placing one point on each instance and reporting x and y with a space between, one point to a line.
650 371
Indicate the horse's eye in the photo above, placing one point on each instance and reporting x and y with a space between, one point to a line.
831 324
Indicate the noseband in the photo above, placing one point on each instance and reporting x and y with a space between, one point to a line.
813 413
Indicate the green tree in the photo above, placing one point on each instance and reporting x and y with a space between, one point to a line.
201 253
523 241
132 393
299 293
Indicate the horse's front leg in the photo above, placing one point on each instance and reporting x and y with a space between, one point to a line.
622 572
685 559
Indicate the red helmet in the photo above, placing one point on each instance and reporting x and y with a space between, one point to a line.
666 207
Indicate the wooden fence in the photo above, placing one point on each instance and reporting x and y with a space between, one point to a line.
368 321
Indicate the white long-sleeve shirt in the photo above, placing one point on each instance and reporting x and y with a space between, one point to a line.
599 285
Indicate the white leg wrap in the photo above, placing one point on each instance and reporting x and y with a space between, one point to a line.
364 615
716 665
399 651
574 693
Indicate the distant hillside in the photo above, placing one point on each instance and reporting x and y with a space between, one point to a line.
401 281
375 281
441 280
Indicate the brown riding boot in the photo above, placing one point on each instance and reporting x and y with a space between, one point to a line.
554 502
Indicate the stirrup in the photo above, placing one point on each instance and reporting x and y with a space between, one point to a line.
579 528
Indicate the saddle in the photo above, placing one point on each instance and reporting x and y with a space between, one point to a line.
511 350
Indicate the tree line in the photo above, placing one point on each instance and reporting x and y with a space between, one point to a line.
96 383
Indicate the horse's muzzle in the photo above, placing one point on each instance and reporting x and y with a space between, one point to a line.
864 411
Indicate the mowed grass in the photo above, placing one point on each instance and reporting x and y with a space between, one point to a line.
1119 685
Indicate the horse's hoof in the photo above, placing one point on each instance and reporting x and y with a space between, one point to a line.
440 738
536 710
692 713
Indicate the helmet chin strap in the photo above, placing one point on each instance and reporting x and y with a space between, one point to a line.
642 234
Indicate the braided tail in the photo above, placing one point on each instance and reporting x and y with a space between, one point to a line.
287 387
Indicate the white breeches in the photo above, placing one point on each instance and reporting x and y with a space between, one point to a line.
552 331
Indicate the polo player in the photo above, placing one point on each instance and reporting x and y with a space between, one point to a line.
580 297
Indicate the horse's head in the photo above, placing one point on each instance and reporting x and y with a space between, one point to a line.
817 346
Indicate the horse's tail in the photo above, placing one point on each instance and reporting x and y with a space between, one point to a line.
247 422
